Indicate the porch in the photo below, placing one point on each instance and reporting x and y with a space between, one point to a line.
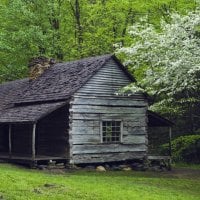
159 132
33 141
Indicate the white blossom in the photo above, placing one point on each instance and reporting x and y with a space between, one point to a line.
170 55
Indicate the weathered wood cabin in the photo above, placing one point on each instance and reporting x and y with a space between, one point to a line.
70 111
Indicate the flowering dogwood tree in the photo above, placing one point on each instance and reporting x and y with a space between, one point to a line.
166 62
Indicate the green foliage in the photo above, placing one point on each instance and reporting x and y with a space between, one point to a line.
165 62
185 149
68 30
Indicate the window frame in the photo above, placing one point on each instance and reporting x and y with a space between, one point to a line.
121 130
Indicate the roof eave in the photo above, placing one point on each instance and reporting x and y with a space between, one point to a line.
166 122
123 68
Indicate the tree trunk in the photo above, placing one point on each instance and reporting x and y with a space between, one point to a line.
78 26
55 24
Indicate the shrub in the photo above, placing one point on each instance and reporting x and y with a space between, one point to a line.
184 149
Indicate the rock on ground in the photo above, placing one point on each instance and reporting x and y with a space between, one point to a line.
100 169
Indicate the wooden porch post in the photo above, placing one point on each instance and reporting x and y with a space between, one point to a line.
170 148
9 140
33 141
170 137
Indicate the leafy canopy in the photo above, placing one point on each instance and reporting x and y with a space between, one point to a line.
166 62
72 29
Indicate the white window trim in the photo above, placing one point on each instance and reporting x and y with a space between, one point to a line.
121 130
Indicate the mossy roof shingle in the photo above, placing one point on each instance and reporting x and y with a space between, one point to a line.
61 80
9 91
28 113
25 100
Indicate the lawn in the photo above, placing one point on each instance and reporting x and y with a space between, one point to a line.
17 183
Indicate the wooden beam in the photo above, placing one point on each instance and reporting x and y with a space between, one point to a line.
170 148
10 141
170 145
33 141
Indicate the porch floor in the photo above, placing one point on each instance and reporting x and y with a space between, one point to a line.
29 158
157 157
165 160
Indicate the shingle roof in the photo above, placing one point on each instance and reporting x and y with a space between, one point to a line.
58 83
28 113
61 80
156 120
9 91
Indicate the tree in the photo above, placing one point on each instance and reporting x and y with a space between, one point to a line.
27 30
68 30
166 62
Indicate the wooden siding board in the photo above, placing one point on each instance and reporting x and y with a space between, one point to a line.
108 96
134 139
90 130
107 157
114 101
105 79
86 139
106 75
126 117
84 123
132 129
108 148
108 109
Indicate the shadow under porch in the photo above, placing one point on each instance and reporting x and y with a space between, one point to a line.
159 132
41 141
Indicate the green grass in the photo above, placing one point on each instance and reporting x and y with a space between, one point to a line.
17 183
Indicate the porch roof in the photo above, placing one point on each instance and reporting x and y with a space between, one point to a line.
29 113
156 120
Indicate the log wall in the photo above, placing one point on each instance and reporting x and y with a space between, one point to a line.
96 101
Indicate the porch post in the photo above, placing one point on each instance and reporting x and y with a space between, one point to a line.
33 141
9 140
170 149
170 145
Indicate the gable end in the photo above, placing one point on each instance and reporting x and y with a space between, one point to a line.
111 77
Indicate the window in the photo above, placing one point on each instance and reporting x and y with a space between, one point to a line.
111 131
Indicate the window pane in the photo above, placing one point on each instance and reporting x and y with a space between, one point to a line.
109 123
113 123
118 123
117 129
111 131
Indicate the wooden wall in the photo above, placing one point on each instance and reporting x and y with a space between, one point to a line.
4 147
96 101
21 139
52 134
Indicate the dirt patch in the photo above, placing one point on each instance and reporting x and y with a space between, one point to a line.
184 173
50 188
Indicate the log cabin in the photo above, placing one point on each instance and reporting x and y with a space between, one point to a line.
71 112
